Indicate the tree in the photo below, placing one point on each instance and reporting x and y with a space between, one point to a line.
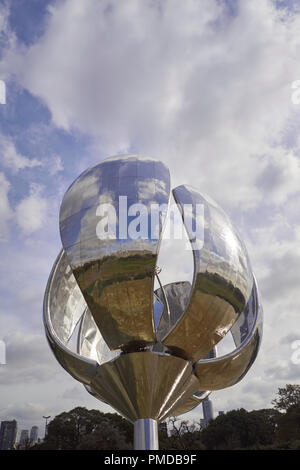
101 439
240 429
265 423
289 425
88 429
183 436
287 396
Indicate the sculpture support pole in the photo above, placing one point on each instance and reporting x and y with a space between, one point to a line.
146 434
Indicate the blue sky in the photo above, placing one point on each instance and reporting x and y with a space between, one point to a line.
204 86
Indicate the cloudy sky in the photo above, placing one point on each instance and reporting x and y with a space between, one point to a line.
203 85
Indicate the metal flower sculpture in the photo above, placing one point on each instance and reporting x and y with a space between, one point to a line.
148 354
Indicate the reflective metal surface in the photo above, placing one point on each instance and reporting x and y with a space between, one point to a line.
222 280
177 298
116 276
63 307
190 403
227 370
148 354
145 384
145 434
91 343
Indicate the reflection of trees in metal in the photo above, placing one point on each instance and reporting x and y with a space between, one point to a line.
148 354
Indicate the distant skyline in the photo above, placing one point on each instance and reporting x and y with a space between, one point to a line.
206 86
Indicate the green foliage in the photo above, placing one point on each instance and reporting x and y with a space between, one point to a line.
239 429
289 425
88 429
287 397
183 436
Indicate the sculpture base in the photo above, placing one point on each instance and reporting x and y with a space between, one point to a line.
146 434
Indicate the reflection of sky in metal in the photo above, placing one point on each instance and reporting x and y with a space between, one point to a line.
222 282
158 308
116 276
141 181
177 295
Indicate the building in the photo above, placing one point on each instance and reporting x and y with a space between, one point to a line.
8 434
24 438
202 423
208 414
34 435
221 413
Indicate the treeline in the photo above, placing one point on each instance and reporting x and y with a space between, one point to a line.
274 428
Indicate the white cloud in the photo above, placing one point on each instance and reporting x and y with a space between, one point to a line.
55 165
12 159
280 175
77 392
174 81
31 212
27 359
208 93
7 37
24 412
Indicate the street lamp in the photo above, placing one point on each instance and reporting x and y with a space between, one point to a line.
46 425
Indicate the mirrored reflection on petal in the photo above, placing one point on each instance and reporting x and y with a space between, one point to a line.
66 303
221 285
63 308
91 343
177 295
227 370
115 269
158 308
244 324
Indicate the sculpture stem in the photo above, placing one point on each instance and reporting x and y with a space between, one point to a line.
146 434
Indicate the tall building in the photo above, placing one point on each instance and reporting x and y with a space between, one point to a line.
34 434
202 423
208 414
8 434
24 438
